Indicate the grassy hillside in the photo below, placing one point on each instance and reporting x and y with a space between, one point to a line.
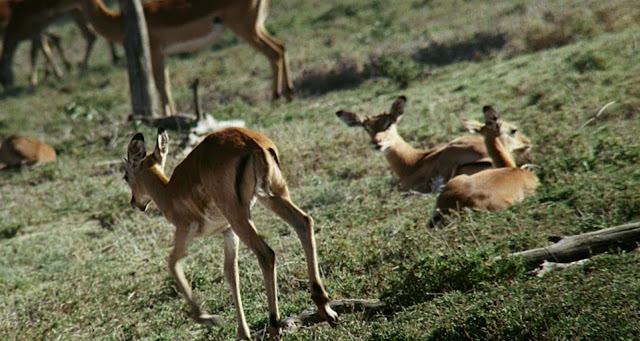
77 263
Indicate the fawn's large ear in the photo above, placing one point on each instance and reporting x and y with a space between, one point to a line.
491 119
136 150
162 146
470 125
397 108
349 118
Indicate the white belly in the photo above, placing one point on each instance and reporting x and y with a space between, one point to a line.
196 43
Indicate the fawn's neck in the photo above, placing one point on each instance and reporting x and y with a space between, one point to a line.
500 156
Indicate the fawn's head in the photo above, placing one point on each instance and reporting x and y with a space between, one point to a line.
381 127
139 165
493 126
507 132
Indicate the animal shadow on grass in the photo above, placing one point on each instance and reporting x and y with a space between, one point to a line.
478 48
399 68
319 81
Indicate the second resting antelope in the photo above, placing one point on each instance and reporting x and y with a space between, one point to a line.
212 191
17 151
426 170
492 189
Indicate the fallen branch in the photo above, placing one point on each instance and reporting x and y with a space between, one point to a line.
573 248
174 122
310 316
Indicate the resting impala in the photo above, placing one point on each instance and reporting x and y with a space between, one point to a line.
491 189
27 19
176 26
426 170
17 151
212 191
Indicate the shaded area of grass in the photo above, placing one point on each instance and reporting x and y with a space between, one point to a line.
77 263
435 275
479 47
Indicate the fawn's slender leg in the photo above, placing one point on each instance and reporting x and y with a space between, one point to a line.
232 277
303 225
182 240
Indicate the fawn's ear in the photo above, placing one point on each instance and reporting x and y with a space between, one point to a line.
470 125
490 114
491 119
162 147
349 118
397 108
136 150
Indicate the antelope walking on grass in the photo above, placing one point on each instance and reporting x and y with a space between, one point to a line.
426 170
212 191
178 26
28 19
491 189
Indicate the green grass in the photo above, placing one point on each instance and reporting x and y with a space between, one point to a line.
77 263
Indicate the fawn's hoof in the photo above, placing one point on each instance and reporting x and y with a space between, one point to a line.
329 315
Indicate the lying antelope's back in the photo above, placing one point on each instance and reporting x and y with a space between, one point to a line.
492 189
16 150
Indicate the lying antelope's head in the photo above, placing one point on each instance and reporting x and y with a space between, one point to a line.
507 132
381 127
140 166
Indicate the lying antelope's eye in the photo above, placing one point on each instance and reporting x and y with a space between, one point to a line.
514 131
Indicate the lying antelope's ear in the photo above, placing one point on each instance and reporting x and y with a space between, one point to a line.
162 146
491 119
397 108
136 150
470 125
349 118
490 114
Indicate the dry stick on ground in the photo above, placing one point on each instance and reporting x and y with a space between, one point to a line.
310 316
569 249
196 100
176 122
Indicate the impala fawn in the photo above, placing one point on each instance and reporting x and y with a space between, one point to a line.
212 191
491 189
426 170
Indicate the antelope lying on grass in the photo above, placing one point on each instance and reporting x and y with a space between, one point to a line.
17 151
424 170
491 189
212 191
